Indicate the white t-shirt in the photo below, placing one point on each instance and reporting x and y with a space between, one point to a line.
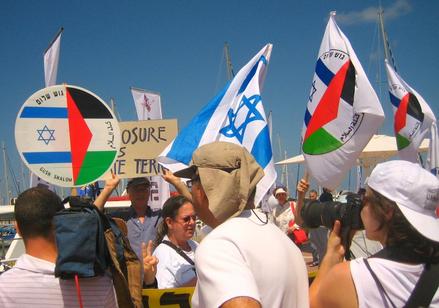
173 270
32 283
282 215
397 279
245 257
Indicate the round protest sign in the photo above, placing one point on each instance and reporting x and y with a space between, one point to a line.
67 135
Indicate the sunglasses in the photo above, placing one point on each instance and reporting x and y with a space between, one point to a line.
188 218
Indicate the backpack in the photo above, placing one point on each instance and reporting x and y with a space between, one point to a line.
89 243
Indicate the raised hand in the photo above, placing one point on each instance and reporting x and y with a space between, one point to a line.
149 263
302 186
169 177
111 183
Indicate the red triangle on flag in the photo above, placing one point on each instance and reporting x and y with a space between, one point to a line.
401 113
80 135
327 109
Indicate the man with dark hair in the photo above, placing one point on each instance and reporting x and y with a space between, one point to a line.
312 195
31 282
140 219
317 237
38 204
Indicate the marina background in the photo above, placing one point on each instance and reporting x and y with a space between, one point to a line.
176 48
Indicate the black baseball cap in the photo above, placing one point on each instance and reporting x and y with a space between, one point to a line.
138 181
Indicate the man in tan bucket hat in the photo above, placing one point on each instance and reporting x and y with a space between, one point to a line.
245 261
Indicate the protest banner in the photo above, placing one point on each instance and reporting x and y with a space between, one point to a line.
141 143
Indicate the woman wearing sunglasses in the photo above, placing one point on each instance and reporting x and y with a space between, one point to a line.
175 249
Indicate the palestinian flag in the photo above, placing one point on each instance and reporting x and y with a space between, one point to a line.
343 111
325 129
412 115
67 135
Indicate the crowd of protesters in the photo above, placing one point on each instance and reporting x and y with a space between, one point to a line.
245 260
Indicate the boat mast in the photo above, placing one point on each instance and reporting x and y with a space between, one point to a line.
383 33
230 73
387 51
284 175
5 169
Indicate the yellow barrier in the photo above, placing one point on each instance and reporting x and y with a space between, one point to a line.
168 298
178 297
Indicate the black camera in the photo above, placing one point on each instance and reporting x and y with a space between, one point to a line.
315 213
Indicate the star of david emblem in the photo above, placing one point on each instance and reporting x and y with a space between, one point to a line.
313 90
46 134
244 115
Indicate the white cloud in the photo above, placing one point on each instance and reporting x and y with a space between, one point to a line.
370 14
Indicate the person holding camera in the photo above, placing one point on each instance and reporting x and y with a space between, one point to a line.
399 210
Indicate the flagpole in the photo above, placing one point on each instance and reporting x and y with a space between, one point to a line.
121 184
54 39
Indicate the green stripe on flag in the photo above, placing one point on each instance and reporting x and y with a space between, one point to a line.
402 142
320 142
94 165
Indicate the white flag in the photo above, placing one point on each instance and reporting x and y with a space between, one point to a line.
235 115
433 150
51 57
343 110
148 105
412 116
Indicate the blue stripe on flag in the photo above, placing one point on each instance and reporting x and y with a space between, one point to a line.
48 157
323 72
188 139
261 150
251 74
44 112
307 117
394 100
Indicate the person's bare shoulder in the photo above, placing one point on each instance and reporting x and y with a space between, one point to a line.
337 289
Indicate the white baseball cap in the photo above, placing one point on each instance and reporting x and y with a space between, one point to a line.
280 190
413 189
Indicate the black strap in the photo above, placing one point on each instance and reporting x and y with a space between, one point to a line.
428 282
179 251
425 288
377 281
399 254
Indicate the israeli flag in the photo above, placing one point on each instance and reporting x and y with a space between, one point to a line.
235 115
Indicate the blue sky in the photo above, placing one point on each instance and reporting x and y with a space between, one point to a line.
176 48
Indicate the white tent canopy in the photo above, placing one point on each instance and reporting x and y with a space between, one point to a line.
379 148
